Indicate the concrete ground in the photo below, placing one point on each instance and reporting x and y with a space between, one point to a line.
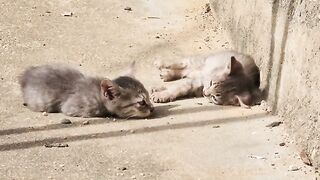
186 139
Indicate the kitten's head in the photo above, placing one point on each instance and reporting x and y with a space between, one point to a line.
231 86
126 97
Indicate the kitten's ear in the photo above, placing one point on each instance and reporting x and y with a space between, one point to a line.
131 70
109 89
234 67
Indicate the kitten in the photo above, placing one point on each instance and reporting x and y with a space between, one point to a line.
59 88
225 78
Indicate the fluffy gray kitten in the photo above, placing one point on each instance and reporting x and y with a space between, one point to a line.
225 78
59 88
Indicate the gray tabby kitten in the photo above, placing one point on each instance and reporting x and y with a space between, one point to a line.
225 78
59 88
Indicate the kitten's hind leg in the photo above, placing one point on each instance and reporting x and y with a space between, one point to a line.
162 65
171 72
185 87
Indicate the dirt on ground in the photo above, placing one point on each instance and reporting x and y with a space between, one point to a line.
186 139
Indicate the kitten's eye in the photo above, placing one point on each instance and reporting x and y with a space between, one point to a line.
217 95
142 103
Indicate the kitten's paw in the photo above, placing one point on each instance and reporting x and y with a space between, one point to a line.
161 97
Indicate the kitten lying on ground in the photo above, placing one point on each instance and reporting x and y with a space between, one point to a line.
59 88
226 78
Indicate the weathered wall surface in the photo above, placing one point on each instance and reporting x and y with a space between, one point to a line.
284 38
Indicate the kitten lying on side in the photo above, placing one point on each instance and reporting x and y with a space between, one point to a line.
226 78
59 88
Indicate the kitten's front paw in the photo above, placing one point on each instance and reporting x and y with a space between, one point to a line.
161 97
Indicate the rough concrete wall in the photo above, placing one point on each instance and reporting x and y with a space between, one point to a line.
284 38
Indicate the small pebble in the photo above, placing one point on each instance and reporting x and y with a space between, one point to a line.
293 168
45 114
216 126
199 103
272 164
114 120
282 144
132 131
58 145
128 8
207 8
142 174
85 122
305 158
66 121
123 168
274 124
67 14
157 37
133 177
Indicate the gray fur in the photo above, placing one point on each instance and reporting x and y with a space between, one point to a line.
59 88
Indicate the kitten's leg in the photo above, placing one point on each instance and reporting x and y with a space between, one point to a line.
162 65
40 101
74 107
171 72
184 88
157 89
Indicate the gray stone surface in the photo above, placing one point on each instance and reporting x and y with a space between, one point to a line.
284 37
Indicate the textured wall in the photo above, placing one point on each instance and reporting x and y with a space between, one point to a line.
284 38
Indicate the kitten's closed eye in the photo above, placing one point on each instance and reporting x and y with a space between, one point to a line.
142 103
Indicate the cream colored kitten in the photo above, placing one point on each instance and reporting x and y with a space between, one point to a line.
226 78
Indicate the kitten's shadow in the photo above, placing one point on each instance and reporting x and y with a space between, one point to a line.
163 111
169 110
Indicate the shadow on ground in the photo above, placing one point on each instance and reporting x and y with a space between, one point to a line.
118 133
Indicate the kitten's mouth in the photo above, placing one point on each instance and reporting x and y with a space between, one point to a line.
140 115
